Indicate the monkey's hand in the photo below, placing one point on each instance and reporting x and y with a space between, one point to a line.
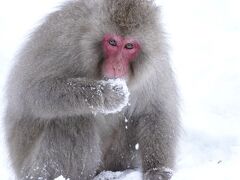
158 174
114 96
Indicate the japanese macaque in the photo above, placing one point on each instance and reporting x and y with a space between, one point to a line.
92 90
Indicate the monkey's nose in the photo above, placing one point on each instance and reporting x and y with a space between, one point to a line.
119 70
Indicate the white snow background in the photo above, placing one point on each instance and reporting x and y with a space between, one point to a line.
205 51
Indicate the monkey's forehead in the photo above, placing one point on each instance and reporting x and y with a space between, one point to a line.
129 15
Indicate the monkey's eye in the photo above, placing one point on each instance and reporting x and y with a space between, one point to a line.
129 46
112 42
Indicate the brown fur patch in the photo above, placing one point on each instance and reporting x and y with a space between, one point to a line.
131 14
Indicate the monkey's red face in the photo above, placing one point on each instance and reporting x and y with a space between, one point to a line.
119 52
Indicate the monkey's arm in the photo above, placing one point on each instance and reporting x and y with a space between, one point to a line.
49 98
157 135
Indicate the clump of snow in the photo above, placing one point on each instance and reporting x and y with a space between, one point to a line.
108 175
125 175
119 86
126 122
61 178
137 146
168 170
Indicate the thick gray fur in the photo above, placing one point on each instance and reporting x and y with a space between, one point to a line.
55 85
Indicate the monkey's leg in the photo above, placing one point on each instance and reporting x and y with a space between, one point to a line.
157 144
67 147
121 153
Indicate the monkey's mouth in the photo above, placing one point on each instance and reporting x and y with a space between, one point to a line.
131 69
126 76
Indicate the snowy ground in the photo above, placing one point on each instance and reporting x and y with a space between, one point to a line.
205 40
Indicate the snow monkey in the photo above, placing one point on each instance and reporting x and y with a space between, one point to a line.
92 90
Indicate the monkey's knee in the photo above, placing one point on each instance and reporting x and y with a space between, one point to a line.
74 159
